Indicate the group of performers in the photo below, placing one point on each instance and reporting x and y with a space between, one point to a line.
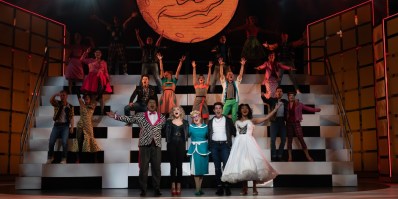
234 161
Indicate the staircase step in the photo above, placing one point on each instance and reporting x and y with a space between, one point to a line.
345 180
30 170
28 183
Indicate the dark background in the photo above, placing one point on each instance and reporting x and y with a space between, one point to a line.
289 16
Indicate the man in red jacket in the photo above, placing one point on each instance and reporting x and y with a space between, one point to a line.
293 120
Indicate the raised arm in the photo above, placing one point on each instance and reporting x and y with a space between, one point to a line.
84 55
179 66
81 103
221 63
95 17
160 58
242 68
267 117
133 14
193 63
91 42
137 34
209 73
159 39
52 99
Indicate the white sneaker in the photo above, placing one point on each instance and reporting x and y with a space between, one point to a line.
63 161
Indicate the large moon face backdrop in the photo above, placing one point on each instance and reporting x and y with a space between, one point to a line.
187 21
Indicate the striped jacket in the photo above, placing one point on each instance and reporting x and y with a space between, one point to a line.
148 131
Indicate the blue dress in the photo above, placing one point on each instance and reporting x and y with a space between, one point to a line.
198 150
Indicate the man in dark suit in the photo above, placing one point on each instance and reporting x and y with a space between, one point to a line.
143 93
278 122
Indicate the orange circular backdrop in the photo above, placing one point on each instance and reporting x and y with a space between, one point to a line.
187 21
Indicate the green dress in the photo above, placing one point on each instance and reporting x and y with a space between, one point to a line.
198 150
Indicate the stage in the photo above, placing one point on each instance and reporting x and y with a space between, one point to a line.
367 188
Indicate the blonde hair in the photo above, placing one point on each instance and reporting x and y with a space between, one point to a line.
195 112
182 113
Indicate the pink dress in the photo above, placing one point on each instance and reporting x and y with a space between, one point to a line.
74 70
97 76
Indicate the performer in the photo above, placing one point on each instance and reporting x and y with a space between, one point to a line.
247 161
201 87
85 141
74 71
63 125
221 130
294 118
176 130
149 53
198 150
277 122
271 75
97 80
116 49
149 143
230 87
222 50
143 93
286 55
168 98
252 49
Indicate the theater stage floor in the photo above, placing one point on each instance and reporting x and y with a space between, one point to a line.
367 188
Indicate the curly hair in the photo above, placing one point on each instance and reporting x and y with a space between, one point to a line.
249 115
195 112
182 113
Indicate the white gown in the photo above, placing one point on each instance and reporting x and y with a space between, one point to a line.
246 161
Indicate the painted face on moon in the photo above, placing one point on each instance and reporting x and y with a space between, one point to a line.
187 21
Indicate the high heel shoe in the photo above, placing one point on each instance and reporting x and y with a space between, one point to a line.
178 192
173 192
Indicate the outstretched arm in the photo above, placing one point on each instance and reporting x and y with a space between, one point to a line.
310 109
267 117
179 66
137 34
133 14
270 47
194 73
242 27
209 73
160 57
242 67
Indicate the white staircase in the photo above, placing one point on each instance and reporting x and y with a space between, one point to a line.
118 170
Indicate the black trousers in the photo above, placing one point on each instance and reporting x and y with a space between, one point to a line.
176 151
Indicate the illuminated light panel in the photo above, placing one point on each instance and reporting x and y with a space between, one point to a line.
187 21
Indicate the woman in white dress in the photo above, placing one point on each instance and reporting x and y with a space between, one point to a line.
246 161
